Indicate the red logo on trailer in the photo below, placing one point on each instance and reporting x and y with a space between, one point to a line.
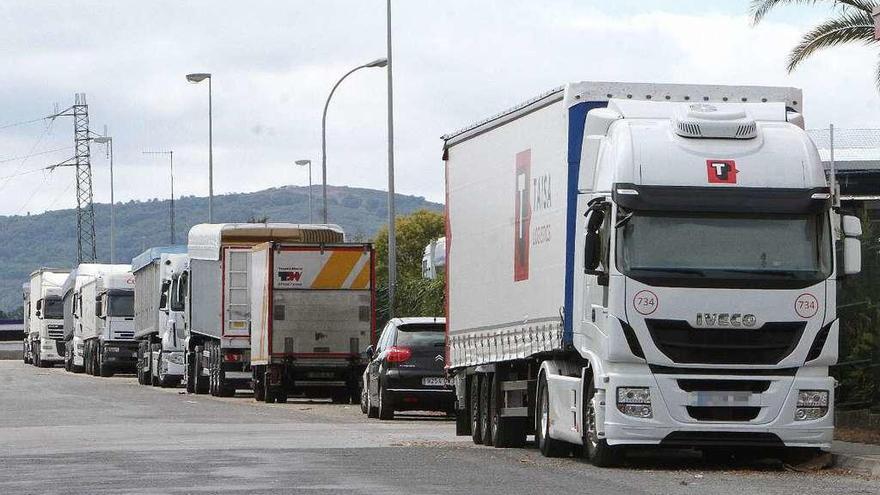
721 171
290 275
522 216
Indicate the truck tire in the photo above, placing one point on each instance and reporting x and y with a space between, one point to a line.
257 384
386 409
165 381
103 369
365 405
597 451
201 382
485 408
549 447
140 364
506 432
474 408
190 373
212 368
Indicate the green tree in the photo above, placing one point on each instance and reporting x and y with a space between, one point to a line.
851 22
415 296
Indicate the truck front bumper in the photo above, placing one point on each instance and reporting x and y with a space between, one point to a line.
682 416
51 350
120 354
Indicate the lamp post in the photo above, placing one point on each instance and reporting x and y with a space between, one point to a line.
195 79
303 163
109 142
392 227
379 62
171 157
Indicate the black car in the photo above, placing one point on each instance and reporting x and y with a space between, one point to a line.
407 369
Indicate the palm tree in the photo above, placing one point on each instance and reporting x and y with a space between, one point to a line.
852 23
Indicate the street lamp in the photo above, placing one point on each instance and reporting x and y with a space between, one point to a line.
109 142
303 163
171 156
195 79
379 62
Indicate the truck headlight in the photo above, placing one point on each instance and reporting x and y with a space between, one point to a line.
811 404
635 401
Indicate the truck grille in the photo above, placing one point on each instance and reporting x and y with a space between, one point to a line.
56 334
123 335
683 343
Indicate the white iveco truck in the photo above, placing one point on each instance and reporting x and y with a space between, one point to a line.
217 307
71 294
44 344
105 309
640 264
160 288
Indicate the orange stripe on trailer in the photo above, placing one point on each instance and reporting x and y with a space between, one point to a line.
336 270
362 281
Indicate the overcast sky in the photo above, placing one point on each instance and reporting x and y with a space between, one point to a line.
273 62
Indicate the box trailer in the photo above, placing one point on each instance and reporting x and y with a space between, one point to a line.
644 264
312 308
45 341
217 306
106 312
158 314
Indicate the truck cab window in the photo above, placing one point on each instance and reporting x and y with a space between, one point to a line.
163 300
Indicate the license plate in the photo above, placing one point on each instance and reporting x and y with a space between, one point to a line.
320 374
720 398
435 381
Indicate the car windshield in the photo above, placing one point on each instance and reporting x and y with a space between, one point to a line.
53 308
120 304
732 247
421 335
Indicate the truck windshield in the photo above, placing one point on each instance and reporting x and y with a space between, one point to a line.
120 303
53 308
725 250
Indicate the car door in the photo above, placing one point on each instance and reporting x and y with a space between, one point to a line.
375 366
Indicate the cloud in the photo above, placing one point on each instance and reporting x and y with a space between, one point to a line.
455 62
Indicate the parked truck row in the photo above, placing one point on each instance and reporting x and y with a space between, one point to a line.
626 264
280 309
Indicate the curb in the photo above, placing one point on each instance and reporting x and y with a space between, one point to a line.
868 465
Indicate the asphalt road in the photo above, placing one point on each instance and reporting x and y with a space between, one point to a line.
72 434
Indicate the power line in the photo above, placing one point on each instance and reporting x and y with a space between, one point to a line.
23 122
45 132
24 157
26 172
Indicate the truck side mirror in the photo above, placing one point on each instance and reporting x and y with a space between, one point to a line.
38 314
852 246
369 352
592 253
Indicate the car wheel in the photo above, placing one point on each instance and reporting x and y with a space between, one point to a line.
372 411
549 447
365 405
386 408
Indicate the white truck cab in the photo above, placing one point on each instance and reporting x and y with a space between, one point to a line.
669 276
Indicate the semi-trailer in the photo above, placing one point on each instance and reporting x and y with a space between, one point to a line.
44 344
312 308
217 333
106 311
644 264
160 279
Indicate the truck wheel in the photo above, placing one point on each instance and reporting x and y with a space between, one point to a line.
201 382
257 384
506 432
485 408
386 409
103 369
549 447
190 373
599 453
212 369
140 364
474 407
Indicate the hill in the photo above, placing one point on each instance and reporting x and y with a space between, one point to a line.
49 239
